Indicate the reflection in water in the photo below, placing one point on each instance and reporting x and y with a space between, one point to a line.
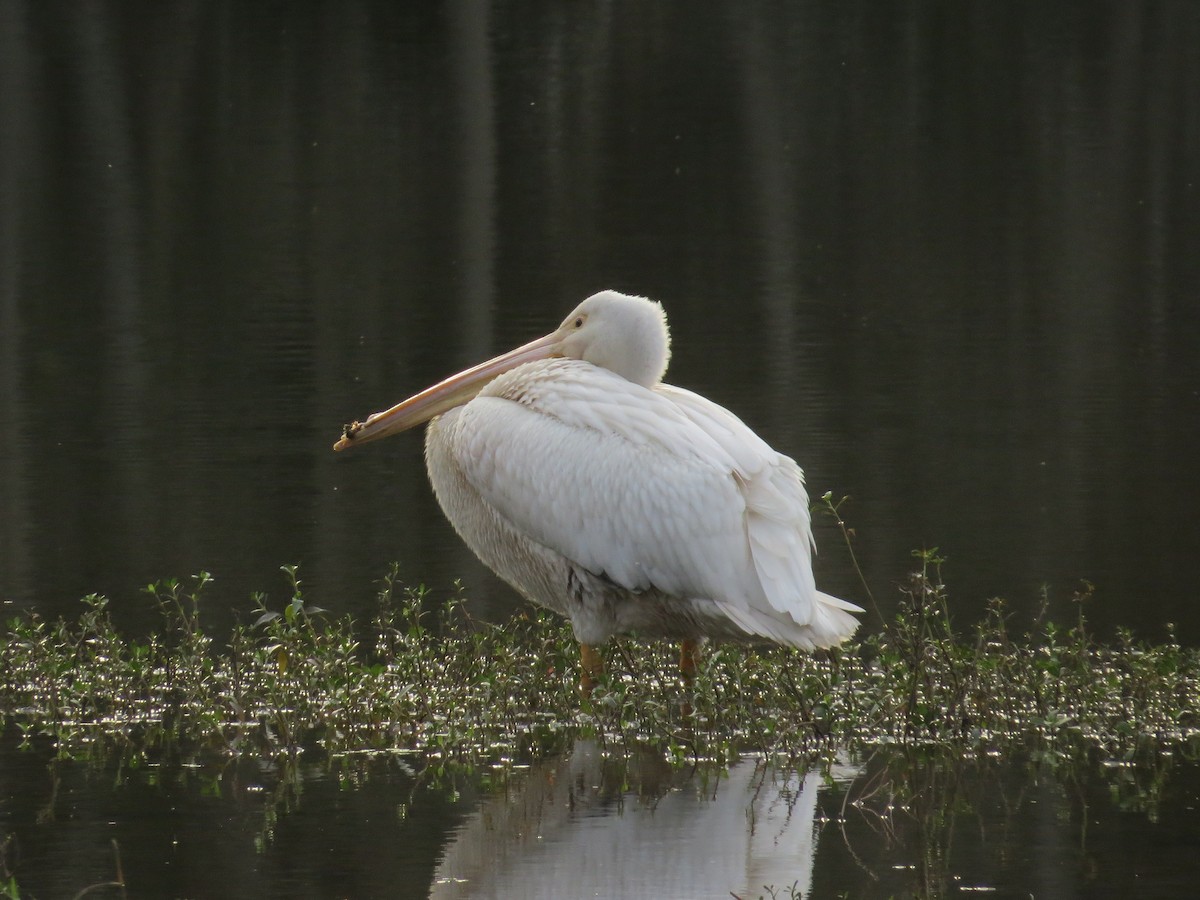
581 826
911 823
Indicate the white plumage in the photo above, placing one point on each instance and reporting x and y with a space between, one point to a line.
626 504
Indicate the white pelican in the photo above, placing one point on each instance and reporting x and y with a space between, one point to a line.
625 504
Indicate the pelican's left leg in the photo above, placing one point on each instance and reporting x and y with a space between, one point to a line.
591 665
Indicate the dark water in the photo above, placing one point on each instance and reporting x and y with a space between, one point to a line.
944 255
580 826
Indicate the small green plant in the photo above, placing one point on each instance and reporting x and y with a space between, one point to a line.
426 677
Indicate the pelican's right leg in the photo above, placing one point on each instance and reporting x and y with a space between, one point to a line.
689 657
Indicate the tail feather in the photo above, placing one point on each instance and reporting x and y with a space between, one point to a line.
833 621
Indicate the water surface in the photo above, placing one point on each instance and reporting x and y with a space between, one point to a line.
943 258
583 824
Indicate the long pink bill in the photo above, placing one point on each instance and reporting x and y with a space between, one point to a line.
443 396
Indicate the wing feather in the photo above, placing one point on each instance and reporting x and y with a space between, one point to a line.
650 488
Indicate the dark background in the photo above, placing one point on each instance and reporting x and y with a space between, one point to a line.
944 255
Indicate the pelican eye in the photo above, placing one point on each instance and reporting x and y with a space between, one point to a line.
579 322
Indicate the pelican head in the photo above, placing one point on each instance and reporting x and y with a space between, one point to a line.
626 335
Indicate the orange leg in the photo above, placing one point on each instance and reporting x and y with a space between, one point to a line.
591 668
689 658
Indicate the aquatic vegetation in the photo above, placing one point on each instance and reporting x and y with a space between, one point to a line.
929 715
428 678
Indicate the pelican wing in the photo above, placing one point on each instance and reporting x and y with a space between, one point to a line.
778 524
651 488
